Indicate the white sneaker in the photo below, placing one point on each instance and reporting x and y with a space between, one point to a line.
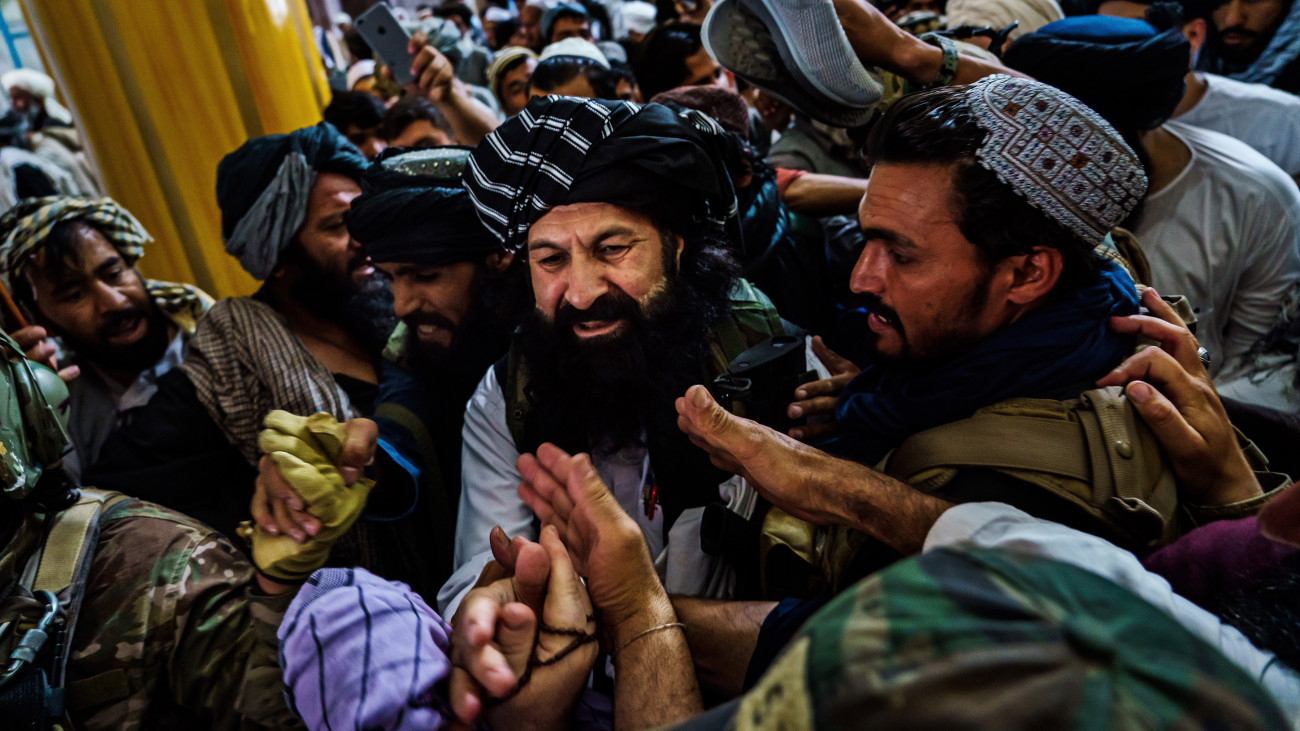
796 51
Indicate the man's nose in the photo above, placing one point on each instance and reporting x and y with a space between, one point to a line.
869 273
109 298
586 284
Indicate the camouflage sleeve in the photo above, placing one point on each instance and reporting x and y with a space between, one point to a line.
202 633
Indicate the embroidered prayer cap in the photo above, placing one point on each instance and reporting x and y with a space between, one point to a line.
413 209
562 150
263 187
25 228
1056 153
979 638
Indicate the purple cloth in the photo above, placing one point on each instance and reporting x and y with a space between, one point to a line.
1216 559
361 652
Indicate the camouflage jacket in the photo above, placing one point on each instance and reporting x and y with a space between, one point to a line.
173 632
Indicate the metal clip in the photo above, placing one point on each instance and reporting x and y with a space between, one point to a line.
29 647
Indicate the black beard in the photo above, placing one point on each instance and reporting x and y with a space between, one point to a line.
364 310
132 358
481 338
609 390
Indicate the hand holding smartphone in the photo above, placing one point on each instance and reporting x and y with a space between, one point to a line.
388 39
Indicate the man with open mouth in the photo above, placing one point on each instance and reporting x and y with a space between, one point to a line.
70 264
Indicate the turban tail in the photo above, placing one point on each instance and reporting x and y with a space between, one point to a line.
1122 68
559 150
263 188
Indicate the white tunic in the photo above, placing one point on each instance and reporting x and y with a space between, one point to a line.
1226 233
1265 118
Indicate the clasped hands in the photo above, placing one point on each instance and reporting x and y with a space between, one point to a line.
521 672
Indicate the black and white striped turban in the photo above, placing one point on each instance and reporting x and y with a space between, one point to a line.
562 150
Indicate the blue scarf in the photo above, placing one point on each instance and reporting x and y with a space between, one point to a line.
1063 343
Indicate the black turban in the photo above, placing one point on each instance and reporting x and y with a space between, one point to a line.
262 189
1127 71
561 150
413 209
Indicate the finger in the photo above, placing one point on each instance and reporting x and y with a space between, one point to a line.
28 337
260 507
834 362
567 603
285 501
359 443
285 522
812 407
1157 367
532 573
516 636
539 505
503 549
464 696
1157 306
1176 340
70 373
547 473
818 388
1173 432
557 461
42 352
707 417
811 431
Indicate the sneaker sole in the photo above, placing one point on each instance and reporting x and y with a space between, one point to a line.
740 42
783 17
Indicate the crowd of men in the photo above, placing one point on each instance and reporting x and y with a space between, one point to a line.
742 364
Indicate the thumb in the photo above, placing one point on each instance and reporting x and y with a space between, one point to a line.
532 574
1175 435
706 414
361 436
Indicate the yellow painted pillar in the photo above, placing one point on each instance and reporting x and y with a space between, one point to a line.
162 90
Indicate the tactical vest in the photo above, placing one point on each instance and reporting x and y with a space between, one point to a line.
1093 453
39 616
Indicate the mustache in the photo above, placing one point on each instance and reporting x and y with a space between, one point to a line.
115 321
415 319
876 305
613 305
1241 30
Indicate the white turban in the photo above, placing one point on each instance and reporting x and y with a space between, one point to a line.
38 85
997 14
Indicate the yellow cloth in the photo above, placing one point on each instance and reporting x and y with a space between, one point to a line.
306 449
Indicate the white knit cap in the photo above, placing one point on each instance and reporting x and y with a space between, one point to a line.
575 47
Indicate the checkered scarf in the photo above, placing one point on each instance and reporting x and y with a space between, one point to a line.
25 228
562 150
244 362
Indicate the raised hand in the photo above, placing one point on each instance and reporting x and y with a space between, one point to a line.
1173 393
816 401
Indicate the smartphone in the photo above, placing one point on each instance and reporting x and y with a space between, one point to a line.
388 39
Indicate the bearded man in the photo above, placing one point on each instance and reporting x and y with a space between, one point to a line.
308 341
451 295
626 218
71 265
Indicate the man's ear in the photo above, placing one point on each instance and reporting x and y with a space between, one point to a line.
681 244
1033 275
499 261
